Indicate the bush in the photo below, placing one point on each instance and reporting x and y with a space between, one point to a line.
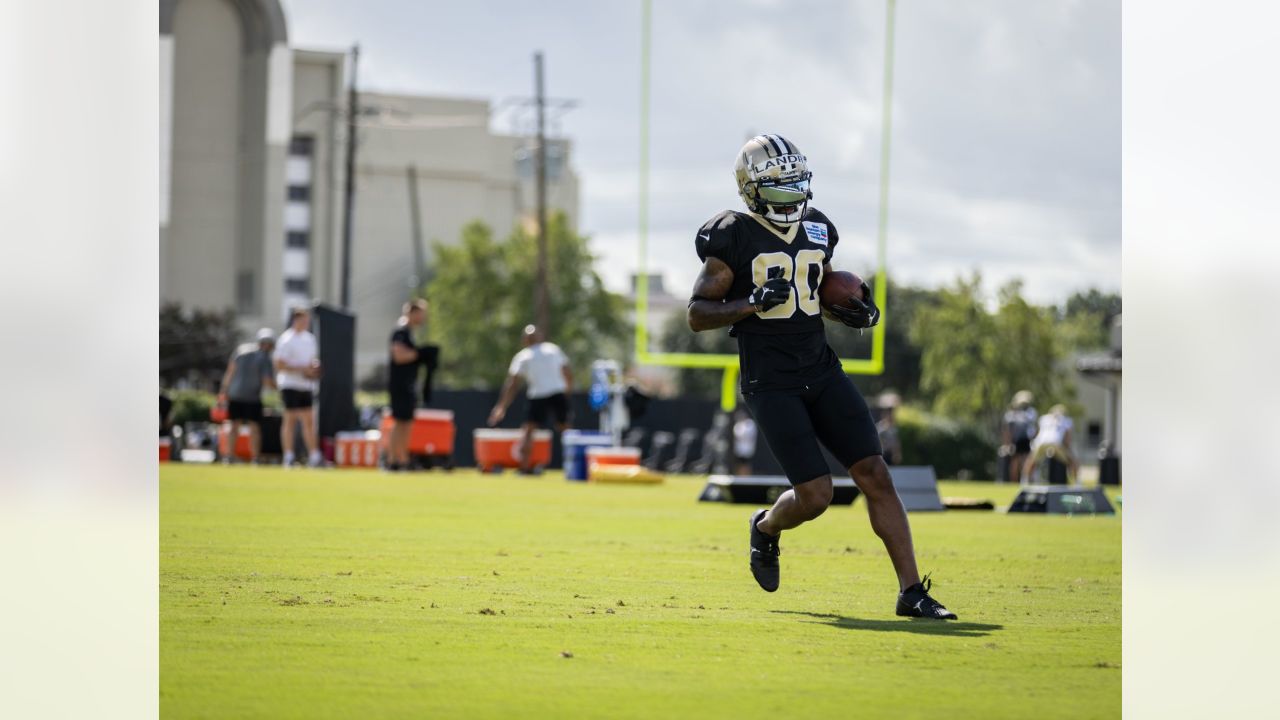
191 405
955 450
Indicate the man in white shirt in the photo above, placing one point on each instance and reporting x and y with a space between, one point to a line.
297 361
543 367
1054 436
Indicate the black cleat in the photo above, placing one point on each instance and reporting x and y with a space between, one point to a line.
915 602
764 555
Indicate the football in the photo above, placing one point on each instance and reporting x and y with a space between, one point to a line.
837 287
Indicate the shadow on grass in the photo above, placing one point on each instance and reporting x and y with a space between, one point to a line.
910 625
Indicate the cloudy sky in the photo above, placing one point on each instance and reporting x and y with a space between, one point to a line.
1006 127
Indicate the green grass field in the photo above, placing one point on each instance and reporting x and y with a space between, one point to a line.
357 594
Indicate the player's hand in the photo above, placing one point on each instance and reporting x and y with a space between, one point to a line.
496 415
775 291
313 371
860 314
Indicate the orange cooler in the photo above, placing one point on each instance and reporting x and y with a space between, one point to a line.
613 456
164 449
432 432
497 449
243 447
357 449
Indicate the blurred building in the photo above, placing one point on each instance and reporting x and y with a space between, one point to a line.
1099 391
657 380
252 174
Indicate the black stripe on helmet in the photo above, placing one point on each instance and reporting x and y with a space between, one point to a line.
786 145
777 149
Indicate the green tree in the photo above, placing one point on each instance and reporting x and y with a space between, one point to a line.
1085 320
975 360
195 344
482 297
901 354
957 336
1032 354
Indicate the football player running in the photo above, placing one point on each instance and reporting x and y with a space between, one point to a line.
760 276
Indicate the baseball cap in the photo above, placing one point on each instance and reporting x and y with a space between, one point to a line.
265 334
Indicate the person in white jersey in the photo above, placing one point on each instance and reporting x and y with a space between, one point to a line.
1054 435
297 361
544 369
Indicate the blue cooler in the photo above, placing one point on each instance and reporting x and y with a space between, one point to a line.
575 444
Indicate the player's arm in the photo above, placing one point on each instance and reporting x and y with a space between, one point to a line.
708 309
505 398
226 380
861 313
269 377
402 354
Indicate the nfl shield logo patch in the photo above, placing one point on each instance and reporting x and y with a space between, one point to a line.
816 231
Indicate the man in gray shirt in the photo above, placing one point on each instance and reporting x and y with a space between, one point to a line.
250 368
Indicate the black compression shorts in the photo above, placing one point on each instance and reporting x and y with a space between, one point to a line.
404 401
244 410
296 399
830 410
550 408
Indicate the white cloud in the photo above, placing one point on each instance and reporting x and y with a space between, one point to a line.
1006 137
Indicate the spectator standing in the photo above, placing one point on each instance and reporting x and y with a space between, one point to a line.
544 369
247 371
1018 428
887 428
401 382
297 363
1053 440
744 442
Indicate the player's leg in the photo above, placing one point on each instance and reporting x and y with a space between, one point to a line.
1038 454
802 503
783 422
560 411
888 517
844 424
1073 465
399 447
524 451
539 411
232 438
287 429
255 441
309 437
785 425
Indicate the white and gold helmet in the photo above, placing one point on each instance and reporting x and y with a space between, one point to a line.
773 179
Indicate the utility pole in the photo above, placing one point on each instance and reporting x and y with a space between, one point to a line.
350 200
415 224
541 301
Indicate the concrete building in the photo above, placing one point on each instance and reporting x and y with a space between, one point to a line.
252 166
1099 387
656 379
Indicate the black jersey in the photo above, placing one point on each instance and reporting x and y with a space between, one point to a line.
784 348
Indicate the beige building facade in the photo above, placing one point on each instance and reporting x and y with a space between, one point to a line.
253 143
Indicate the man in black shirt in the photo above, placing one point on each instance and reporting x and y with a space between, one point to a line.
760 275
403 376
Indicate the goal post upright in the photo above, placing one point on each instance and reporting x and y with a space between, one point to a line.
728 363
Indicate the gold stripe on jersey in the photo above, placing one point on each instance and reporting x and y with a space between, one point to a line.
788 237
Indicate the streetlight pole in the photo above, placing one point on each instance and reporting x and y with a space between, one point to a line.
349 201
541 300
